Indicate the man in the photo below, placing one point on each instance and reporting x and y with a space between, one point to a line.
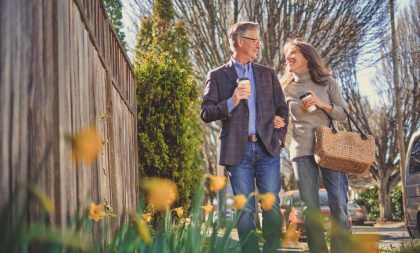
250 145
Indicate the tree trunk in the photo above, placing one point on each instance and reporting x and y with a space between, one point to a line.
397 93
384 192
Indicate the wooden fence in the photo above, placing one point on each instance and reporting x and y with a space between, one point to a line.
62 70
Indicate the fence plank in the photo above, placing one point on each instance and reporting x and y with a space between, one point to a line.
63 69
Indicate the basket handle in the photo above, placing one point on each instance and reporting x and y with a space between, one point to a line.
349 118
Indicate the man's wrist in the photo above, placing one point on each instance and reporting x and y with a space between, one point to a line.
235 100
230 104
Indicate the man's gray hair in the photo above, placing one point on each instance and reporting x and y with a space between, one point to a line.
239 29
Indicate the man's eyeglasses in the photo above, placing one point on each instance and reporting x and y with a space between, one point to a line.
256 41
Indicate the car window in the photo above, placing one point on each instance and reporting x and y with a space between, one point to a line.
323 198
297 202
283 200
353 205
415 157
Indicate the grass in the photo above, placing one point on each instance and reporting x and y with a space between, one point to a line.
155 228
195 232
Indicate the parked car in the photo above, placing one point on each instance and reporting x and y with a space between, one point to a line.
291 207
357 214
412 186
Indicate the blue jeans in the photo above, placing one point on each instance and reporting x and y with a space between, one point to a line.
258 164
336 183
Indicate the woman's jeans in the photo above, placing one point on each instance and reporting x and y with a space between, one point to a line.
336 183
265 169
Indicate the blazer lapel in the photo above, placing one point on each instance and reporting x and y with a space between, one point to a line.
258 81
231 73
257 74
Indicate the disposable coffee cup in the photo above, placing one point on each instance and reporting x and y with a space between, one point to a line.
244 81
306 96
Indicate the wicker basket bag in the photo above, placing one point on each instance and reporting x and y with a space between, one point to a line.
350 152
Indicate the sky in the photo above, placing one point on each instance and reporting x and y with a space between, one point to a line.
365 74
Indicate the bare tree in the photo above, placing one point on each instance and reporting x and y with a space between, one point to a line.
397 96
137 10
336 28
382 121
407 35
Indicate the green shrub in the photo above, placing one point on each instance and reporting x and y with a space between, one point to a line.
369 198
169 128
169 134
114 12
396 204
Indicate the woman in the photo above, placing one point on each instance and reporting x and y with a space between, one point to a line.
305 72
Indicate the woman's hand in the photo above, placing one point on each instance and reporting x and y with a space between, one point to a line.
278 122
314 100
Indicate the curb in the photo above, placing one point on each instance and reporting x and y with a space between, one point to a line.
390 225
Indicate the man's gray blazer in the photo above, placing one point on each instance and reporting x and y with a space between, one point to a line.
219 87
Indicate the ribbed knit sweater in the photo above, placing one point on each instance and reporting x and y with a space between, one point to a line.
305 123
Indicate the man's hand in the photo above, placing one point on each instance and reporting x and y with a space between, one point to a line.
240 93
278 122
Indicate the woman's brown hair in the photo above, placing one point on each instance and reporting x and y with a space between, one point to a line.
319 74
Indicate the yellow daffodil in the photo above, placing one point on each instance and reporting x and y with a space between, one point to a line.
86 145
239 201
96 212
207 208
366 243
217 183
161 193
43 199
179 211
267 201
291 237
142 231
146 217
